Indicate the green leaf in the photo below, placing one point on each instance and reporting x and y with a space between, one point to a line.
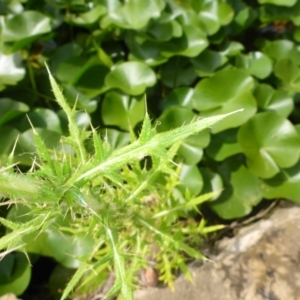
9 136
240 184
256 63
10 109
289 73
213 183
191 179
279 2
70 247
277 100
129 15
191 148
134 151
178 71
285 184
122 110
269 142
282 49
75 279
223 145
208 62
26 149
86 19
131 77
226 91
42 118
11 69
15 274
214 14
181 96
190 44
20 30
73 128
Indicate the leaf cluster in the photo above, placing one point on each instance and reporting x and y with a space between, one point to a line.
102 210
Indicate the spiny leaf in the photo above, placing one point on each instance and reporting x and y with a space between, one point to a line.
73 128
75 279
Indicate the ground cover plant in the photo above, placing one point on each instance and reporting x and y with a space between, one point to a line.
105 209
191 58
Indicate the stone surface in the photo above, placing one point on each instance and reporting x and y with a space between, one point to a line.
262 262
8 297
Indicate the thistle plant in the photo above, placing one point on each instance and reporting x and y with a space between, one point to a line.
120 211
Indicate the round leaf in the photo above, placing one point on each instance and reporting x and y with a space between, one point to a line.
42 118
284 185
269 142
278 101
191 148
11 70
223 145
213 183
10 109
129 15
279 2
9 136
289 73
214 14
281 49
191 179
131 77
191 43
180 96
256 63
122 111
178 71
207 62
69 247
224 92
25 149
22 29
15 274
239 196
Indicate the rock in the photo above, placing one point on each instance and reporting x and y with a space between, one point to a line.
8 297
261 262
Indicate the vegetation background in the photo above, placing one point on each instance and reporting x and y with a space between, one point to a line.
188 59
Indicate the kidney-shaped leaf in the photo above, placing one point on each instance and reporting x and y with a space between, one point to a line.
223 145
191 148
42 118
256 63
269 142
70 246
191 179
239 196
214 14
131 77
280 49
25 149
274 100
10 109
11 70
289 73
122 110
21 29
191 43
226 91
279 2
180 96
178 71
286 185
15 274
134 14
